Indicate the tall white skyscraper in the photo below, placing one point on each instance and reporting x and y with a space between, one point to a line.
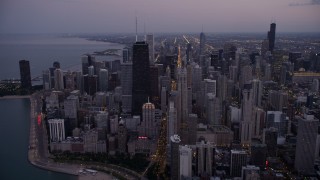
185 161
56 128
103 80
150 42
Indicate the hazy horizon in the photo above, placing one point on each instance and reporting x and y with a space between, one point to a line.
165 16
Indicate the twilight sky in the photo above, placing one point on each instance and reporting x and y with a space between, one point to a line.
109 16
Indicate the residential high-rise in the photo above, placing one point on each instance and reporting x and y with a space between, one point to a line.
150 42
272 36
140 76
25 75
306 144
56 128
238 159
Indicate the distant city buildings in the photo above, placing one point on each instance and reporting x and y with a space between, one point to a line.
226 110
25 75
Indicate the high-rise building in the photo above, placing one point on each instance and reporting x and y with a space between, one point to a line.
140 76
306 144
25 75
126 84
279 120
103 80
175 157
270 137
150 42
182 104
58 79
259 155
125 55
205 153
202 43
122 137
56 128
87 60
272 36
257 92
172 121
238 159
148 124
247 120
185 161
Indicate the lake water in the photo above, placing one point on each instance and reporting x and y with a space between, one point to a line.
14 134
42 51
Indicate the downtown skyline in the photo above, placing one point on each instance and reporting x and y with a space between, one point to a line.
97 16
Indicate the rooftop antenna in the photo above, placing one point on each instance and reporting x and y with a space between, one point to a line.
136 28
144 29
202 28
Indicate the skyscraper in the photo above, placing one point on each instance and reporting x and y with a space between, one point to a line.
204 158
140 76
306 144
103 80
238 159
246 120
148 120
202 43
272 36
182 105
58 79
126 84
175 158
25 75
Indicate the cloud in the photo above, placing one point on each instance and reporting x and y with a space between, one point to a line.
311 2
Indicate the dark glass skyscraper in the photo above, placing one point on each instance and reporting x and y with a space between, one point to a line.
25 75
140 76
272 36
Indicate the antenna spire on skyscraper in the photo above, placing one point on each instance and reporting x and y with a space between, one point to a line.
136 28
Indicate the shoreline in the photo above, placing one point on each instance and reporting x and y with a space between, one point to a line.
46 163
16 97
